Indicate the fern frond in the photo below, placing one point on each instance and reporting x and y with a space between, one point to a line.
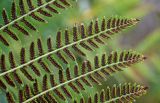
36 61
116 94
37 12
49 71
94 36
85 75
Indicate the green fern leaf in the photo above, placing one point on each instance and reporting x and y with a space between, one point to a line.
19 19
49 71
122 93
38 64
96 37
84 73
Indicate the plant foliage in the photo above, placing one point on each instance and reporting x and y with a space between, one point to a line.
48 71
19 19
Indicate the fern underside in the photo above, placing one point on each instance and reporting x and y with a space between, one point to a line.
48 71
20 19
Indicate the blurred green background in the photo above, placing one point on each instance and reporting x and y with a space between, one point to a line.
144 37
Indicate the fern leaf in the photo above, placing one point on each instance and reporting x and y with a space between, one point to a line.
48 71
122 93
36 12
89 42
35 63
86 73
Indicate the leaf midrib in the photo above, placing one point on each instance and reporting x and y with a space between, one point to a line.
72 80
19 18
49 53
